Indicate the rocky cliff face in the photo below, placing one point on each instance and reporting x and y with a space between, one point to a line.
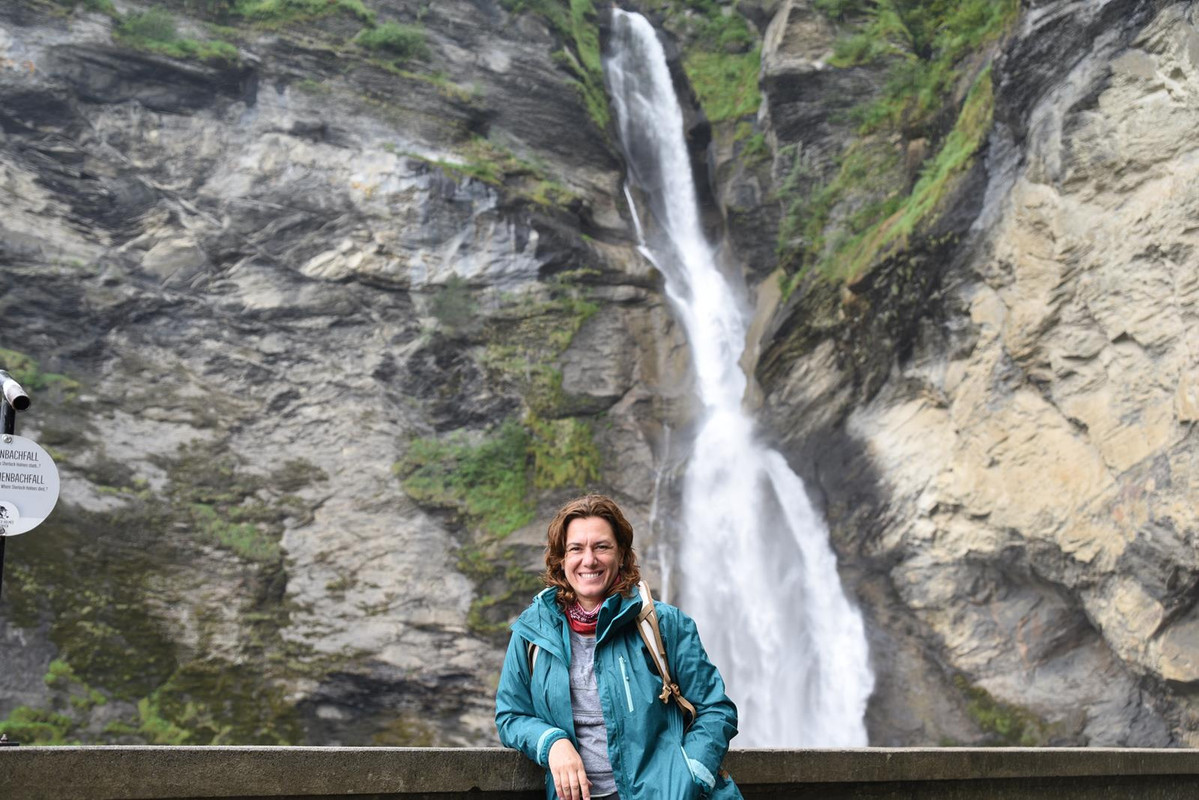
256 298
321 329
1010 486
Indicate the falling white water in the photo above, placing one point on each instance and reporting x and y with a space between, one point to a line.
754 565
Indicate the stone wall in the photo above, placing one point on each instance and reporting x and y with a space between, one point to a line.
126 773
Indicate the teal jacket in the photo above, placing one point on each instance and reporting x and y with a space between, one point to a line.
651 756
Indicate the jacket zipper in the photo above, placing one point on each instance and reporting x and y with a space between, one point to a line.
628 692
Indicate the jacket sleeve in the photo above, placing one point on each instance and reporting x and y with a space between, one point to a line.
707 740
518 724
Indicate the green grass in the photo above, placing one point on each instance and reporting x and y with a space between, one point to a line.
36 726
753 145
842 9
487 481
955 155
925 42
842 226
243 538
27 371
279 11
402 42
726 83
563 452
154 30
491 481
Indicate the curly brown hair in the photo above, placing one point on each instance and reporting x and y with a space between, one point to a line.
591 505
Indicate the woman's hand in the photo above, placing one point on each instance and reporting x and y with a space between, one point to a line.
570 779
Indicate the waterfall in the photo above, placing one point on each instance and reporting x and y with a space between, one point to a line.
754 566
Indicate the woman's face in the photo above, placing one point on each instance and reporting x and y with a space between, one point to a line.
592 559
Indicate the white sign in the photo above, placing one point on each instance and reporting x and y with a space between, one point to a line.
28 485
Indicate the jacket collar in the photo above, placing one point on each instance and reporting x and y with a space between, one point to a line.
616 612
544 624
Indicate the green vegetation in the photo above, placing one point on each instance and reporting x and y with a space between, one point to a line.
501 581
883 221
1007 725
753 145
27 371
841 9
405 730
954 157
574 22
726 83
31 726
563 452
243 538
214 498
402 42
102 6
215 702
487 481
496 165
454 307
154 30
272 13
280 11
869 207
490 480
926 40
101 579
527 338
722 60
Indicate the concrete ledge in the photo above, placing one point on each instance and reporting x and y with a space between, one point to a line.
179 773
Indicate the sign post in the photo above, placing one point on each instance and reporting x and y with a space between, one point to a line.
13 400
28 477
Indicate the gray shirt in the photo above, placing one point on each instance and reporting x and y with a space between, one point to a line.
589 715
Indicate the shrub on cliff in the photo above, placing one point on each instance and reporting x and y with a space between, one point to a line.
400 41
154 30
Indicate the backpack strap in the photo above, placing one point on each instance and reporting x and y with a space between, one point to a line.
651 634
531 651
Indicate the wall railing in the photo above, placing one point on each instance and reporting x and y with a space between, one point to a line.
181 773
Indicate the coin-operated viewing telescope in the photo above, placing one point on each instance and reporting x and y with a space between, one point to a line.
28 477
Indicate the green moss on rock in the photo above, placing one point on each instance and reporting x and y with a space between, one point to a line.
97 580
27 371
486 481
574 21
1006 725
869 207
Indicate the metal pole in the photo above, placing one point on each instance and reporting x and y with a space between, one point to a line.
8 415
12 400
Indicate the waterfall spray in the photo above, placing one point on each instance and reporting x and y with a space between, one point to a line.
754 566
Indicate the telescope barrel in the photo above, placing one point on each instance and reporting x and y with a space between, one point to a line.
13 392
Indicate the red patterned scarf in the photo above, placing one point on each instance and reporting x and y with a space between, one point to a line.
582 622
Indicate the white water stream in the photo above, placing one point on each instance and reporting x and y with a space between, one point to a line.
754 567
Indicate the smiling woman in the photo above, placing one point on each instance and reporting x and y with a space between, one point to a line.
592 559
579 693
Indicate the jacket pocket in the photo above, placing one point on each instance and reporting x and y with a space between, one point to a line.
628 689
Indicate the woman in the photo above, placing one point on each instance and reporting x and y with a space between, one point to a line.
579 694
